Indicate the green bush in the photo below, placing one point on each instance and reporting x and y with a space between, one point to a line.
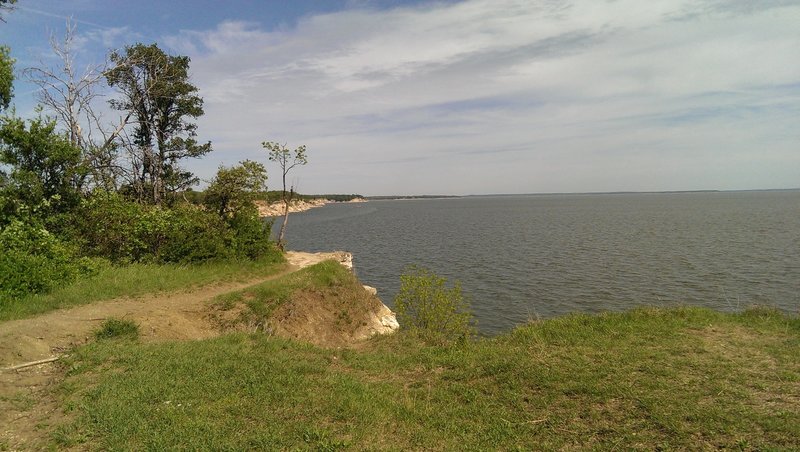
106 225
191 234
116 328
32 260
251 235
425 306
110 226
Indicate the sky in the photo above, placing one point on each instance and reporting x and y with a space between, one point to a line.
472 96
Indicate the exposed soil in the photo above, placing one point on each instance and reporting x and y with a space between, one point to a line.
27 400
332 317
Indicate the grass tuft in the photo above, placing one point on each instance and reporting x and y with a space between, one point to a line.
116 329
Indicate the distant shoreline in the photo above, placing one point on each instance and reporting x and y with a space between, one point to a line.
276 209
666 192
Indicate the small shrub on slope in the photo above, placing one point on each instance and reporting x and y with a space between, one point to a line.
427 307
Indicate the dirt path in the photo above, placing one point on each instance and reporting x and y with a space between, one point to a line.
27 403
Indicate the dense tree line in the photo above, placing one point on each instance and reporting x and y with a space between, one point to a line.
77 193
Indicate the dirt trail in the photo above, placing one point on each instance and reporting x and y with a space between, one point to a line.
26 395
163 316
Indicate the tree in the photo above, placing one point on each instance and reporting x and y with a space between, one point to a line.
5 5
70 95
155 90
45 167
236 188
6 77
287 160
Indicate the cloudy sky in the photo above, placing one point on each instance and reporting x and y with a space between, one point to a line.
473 96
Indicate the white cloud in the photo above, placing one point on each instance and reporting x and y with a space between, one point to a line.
493 96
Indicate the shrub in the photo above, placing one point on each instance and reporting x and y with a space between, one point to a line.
108 225
251 238
116 328
32 260
427 307
191 234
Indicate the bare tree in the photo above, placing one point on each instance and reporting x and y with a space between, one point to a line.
287 160
6 5
70 94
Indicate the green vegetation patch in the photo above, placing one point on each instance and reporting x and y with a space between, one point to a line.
114 328
138 279
251 308
644 379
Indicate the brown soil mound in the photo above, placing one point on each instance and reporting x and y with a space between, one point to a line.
333 317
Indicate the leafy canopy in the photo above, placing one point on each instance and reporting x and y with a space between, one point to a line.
45 168
236 188
156 92
6 77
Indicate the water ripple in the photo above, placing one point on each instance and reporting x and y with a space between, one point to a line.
526 257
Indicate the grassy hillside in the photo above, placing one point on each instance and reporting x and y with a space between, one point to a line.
645 379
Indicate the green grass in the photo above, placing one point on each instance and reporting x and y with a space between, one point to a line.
136 280
114 328
262 299
684 378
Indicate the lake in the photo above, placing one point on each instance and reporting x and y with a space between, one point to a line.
538 256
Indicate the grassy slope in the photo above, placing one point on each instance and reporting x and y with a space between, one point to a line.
649 378
262 299
138 279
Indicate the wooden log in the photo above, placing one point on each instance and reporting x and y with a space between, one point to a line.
33 363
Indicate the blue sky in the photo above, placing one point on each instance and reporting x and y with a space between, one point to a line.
472 96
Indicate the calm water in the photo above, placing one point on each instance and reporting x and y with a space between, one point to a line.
522 257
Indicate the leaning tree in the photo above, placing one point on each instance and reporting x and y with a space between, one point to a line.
286 160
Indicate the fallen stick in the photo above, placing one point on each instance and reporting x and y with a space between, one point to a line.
33 363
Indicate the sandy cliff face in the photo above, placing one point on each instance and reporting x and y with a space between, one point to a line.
276 209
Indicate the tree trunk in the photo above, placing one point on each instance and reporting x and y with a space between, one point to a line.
283 226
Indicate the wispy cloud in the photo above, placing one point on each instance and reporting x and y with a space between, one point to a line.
585 95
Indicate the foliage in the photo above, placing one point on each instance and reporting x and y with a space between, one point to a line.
427 307
46 170
156 92
108 225
186 233
6 77
34 261
251 235
234 189
114 328
231 195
